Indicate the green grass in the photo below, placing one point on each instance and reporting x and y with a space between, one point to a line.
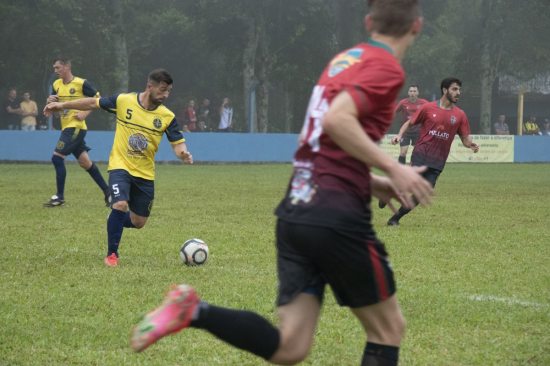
472 269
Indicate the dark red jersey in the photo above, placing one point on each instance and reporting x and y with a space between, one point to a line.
326 179
406 109
438 128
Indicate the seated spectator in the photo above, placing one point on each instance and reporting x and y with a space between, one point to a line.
204 116
501 127
29 111
190 116
530 127
546 127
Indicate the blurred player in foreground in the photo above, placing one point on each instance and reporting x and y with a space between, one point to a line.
142 119
324 234
439 122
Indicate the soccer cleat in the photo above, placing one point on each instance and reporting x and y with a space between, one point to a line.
393 222
107 198
171 316
111 260
54 202
381 204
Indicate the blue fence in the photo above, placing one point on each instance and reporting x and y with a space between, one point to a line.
212 147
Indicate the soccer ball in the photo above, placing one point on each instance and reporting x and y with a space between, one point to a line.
194 252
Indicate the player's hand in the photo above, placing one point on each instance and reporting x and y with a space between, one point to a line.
395 140
81 116
411 185
474 147
52 107
186 157
52 98
383 189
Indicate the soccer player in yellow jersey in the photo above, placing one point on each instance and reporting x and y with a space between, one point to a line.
73 125
141 119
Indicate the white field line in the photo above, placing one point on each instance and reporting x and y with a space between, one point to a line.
507 301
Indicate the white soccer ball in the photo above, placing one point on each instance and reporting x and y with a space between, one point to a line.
194 252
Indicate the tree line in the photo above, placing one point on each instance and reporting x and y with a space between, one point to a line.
265 55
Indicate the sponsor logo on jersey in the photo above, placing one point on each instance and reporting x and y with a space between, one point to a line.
344 60
138 143
439 134
302 187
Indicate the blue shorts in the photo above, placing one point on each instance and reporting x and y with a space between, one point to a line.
138 192
71 141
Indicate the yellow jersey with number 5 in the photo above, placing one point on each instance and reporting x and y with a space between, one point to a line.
138 134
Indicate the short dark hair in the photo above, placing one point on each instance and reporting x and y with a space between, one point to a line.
414 86
62 59
447 82
160 76
393 17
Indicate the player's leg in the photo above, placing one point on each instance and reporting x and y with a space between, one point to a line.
298 310
385 326
132 201
63 148
431 176
403 148
81 154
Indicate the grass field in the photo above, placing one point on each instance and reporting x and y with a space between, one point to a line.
472 269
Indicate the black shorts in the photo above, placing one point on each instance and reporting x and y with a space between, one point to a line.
431 175
354 264
138 192
71 141
409 139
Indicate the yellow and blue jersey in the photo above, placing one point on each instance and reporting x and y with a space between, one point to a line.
138 134
75 89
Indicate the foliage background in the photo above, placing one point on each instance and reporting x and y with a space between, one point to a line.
217 48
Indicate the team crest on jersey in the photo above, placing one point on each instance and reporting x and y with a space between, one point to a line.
60 145
302 187
453 120
72 91
344 60
138 142
157 122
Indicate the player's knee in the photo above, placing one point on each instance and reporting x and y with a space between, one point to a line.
120 205
138 224
57 160
291 351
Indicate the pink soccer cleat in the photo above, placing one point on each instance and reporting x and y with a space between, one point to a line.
171 316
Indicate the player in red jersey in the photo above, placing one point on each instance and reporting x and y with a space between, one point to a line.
324 232
439 122
407 107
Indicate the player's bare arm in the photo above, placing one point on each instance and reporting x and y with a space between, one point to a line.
395 140
182 153
467 142
84 104
341 124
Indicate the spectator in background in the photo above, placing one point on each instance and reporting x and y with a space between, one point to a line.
546 127
11 111
203 117
29 111
530 127
190 117
226 116
501 127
